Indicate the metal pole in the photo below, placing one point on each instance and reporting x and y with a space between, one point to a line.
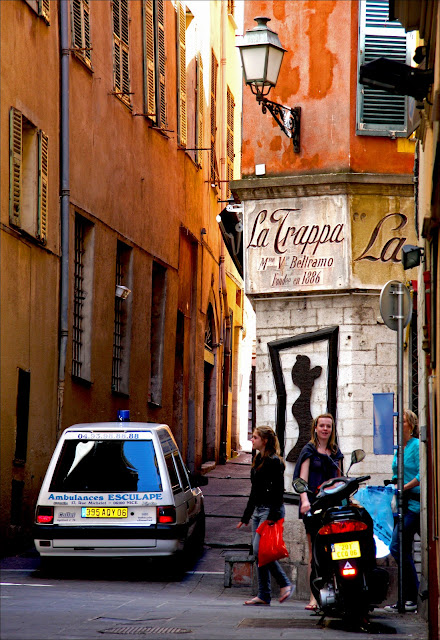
399 292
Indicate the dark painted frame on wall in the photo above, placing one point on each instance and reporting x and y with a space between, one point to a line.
332 335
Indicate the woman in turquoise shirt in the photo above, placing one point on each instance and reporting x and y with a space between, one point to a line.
411 510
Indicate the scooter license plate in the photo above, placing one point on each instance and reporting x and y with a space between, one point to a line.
345 550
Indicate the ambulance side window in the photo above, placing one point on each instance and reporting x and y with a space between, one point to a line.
172 472
182 471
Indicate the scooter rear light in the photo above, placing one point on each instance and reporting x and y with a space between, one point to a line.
349 572
345 526
45 515
166 515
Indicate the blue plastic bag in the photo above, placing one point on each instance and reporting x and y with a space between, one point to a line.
377 501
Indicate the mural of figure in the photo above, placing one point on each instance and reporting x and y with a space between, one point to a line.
304 378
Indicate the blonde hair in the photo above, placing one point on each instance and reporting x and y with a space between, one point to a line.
413 422
331 444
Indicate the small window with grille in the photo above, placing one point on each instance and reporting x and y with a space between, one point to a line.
82 299
157 332
380 113
122 320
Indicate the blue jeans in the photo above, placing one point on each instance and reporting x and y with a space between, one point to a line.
411 526
260 514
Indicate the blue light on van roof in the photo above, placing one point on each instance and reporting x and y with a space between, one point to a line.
123 415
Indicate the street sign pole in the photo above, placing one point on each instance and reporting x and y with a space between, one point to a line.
399 293
396 311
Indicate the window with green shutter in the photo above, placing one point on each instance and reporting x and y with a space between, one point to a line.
154 61
80 14
121 69
380 113
28 176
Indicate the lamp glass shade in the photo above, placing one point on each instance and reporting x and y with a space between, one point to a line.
254 63
274 65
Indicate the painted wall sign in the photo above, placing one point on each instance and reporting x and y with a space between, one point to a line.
298 244
322 243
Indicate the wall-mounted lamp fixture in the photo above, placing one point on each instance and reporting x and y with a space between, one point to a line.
397 78
261 55
122 292
411 256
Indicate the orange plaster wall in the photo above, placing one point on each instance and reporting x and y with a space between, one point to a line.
319 73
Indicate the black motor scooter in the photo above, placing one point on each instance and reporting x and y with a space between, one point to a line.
345 579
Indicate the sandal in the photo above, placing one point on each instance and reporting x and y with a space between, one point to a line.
287 594
257 602
312 607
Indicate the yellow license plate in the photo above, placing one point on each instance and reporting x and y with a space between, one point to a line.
346 550
104 512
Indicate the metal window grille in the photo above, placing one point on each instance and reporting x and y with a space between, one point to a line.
117 331
78 299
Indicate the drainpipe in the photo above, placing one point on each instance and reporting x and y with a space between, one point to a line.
223 191
65 198
227 358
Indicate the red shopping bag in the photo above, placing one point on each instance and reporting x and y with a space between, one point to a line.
271 545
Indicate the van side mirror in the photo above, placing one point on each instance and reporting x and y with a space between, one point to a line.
300 485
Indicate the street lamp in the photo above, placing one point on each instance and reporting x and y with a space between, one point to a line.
261 55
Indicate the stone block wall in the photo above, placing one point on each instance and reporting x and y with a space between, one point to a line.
366 365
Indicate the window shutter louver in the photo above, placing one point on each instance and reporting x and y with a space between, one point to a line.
86 10
44 10
121 49
150 74
162 58
43 174
15 166
199 108
214 74
181 75
379 112
81 29
230 136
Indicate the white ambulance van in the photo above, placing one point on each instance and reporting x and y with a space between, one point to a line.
118 489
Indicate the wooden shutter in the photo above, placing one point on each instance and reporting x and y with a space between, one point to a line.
214 74
15 166
43 174
149 61
44 10
181 74
86 20
121 49
81 29
230 136
199 108
379 112
162 112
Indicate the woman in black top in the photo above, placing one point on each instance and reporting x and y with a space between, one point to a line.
266 503
318 461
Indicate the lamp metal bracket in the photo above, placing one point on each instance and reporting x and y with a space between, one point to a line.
287 118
